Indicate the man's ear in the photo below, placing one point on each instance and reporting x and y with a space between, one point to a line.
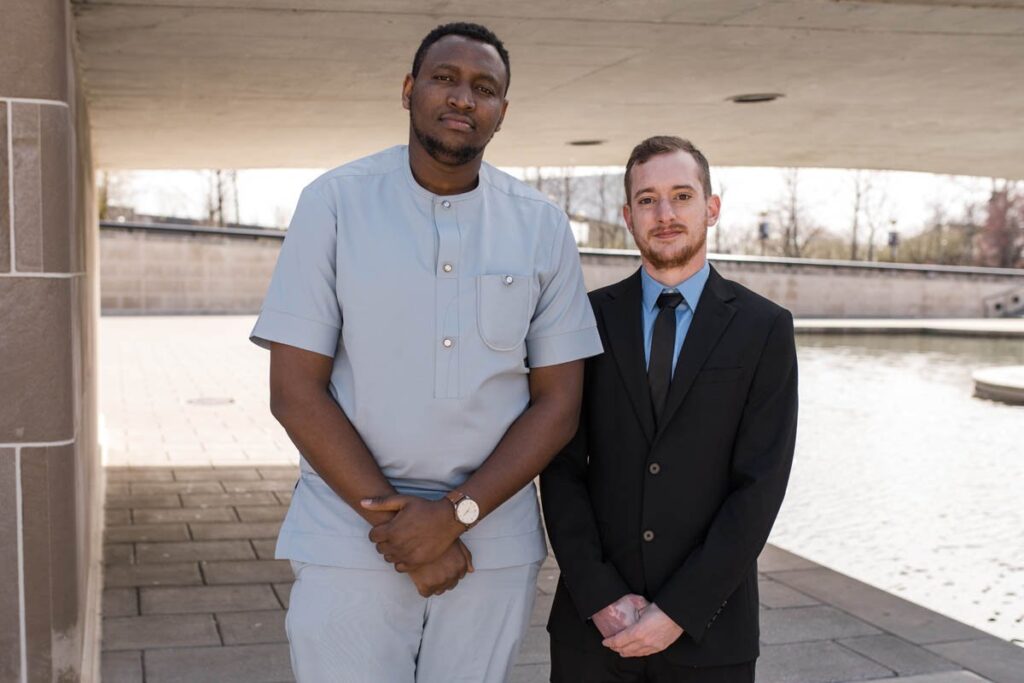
714 208
501 119
407 91
628 217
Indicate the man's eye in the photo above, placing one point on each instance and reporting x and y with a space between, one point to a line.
485 90
683 196
645 200
442 77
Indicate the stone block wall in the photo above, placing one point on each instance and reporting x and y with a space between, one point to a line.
822 289
147 271
50 483
150 271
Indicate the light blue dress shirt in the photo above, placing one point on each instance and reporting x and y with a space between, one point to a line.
691 289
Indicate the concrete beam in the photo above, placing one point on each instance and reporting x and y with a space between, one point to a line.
923 85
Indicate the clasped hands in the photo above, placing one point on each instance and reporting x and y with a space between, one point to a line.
422 540
634 627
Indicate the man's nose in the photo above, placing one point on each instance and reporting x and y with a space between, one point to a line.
666 214
461 97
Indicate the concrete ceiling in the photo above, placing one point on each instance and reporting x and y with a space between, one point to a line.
913 85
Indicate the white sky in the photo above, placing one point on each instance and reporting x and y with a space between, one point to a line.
267 196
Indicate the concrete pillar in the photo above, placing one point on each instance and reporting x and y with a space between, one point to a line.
49 458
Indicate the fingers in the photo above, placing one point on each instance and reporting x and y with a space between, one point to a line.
635 648
447 587
623 639
385 503
427 589
466 554
618 642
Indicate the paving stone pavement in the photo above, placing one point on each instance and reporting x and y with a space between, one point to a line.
192 594
199 478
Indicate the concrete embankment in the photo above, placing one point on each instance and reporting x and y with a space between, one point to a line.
194 269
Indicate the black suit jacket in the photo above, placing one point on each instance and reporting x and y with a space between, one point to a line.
677 514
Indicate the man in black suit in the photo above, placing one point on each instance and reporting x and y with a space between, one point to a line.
658 508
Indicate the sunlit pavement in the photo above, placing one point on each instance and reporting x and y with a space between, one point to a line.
199 477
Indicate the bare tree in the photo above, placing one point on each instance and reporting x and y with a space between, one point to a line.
722 188
538 178
861 190
233 179
222 189
797 233
602 197
876 214
567 189
1002 238
215 198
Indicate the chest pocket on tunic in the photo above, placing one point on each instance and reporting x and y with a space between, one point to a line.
503 309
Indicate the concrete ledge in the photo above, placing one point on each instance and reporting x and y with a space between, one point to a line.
989 328
1005 385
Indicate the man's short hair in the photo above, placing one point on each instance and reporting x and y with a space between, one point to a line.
663 144
467 30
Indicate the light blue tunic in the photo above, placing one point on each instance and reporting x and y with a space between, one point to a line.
434 308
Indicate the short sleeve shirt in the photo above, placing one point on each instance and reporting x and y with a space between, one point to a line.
434 309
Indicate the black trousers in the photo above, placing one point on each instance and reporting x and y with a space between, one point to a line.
571 665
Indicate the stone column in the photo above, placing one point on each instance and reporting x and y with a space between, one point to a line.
49 458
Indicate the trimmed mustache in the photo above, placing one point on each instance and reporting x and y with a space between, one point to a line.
678 227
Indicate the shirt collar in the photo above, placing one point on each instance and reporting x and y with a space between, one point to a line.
691 288
483 178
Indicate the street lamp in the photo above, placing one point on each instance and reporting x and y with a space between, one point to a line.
894 240
762 231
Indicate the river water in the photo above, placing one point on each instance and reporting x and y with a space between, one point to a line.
904 480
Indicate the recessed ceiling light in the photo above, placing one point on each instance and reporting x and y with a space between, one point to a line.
755 97
586 143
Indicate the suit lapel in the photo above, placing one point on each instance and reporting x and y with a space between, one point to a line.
624 328
712 317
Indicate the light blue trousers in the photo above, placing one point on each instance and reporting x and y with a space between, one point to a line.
368 626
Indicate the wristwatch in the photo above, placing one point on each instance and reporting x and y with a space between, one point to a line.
466 509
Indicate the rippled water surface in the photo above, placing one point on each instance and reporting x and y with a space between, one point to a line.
905 481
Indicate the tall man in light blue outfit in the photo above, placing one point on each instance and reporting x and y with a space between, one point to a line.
427 319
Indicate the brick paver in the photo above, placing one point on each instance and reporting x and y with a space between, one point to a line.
194 601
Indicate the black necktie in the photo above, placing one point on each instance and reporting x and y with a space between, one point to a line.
663 344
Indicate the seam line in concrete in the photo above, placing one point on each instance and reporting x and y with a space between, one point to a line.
19 519
10 180
867 657
39 444
30 100
53 276
864 620
39 189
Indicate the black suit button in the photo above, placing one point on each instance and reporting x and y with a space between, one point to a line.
648 535
654 468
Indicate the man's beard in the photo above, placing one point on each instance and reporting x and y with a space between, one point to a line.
674 259
445 154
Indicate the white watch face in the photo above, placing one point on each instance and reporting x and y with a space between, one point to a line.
467 511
